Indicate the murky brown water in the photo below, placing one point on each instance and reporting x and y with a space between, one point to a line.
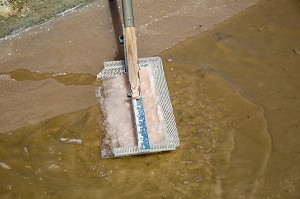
257 53
235 95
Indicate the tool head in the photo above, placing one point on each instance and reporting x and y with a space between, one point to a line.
160 119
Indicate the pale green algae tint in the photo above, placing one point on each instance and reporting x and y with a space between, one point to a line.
235 95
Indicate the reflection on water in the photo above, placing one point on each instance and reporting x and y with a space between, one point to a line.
229 113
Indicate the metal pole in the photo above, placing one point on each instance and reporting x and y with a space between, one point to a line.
127 13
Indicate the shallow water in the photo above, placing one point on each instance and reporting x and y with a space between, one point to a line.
64 78
257 53
235 96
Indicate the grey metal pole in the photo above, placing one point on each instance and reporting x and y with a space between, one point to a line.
127 13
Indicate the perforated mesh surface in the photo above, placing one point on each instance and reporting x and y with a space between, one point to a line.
116 68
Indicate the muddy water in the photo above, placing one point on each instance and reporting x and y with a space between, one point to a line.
257 53
235 95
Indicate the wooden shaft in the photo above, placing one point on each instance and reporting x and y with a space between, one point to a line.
132 59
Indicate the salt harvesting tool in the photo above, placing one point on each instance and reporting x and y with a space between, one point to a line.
135 124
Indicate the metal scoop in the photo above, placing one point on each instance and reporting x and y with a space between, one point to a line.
153 84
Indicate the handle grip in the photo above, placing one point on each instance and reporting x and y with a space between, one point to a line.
131 48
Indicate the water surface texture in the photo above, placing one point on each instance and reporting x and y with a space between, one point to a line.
235 95
257 53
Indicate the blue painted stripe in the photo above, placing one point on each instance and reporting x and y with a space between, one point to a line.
140 124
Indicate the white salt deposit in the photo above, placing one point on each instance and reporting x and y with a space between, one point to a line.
5 166
117 110
71 140
6 77
151 107
118 114
59 74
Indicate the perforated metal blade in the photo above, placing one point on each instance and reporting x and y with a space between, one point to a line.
140 125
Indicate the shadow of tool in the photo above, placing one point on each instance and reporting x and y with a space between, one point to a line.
117 26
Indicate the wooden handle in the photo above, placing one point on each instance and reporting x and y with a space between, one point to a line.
132 58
